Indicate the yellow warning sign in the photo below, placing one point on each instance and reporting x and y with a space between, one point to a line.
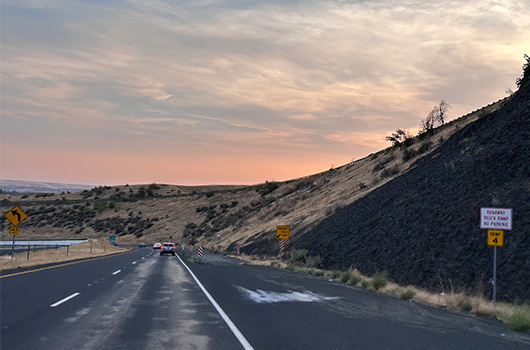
282 232
14 230
15 215
495 237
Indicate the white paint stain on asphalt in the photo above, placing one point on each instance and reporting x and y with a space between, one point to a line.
260 296
78 314
116 272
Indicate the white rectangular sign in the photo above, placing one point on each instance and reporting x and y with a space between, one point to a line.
496 218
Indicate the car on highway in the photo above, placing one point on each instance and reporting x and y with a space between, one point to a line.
168 248
142 245
157 246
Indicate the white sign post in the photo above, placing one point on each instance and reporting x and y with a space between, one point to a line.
495 219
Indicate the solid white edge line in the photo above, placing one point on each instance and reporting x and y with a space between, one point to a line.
65 299
116 272
246 345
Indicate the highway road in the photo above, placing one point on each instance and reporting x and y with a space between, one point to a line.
140 300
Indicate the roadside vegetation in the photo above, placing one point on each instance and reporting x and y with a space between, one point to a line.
515 316
34 257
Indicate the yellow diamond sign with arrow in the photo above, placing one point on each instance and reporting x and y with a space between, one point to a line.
15 215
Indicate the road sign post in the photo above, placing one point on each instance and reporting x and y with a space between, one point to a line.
14 231
13 248
495 220
494 279
495 239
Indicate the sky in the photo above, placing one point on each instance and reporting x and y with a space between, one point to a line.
199 92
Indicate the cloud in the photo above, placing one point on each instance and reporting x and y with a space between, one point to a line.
270 78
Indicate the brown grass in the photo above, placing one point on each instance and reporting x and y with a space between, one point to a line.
99 247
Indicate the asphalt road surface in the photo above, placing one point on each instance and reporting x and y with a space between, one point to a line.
141 300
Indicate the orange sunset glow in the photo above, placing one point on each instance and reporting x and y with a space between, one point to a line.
109 93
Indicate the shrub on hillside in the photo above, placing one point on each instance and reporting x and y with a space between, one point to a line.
407 295
345 276
465 304
298 255
388 172
153 186
335 274
365 283
379 280
313 261
266 188
519 320
401 138
354 280
525 75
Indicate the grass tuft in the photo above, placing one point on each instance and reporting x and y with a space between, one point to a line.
335 274
345 276
465 305
354 280
519 320
290 267
407 294
365 283
379 280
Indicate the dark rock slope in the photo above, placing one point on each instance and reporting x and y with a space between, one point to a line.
423 227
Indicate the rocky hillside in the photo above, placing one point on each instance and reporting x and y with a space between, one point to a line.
423 226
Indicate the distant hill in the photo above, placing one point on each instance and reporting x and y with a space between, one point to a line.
16 186
423 226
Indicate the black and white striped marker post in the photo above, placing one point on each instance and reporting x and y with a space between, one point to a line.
282 244
199 254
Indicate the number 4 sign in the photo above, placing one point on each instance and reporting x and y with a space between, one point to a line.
495 237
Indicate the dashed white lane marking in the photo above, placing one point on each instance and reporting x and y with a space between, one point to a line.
116 272
240 337
134 262
65 299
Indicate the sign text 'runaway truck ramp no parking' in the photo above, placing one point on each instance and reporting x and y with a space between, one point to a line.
496 218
